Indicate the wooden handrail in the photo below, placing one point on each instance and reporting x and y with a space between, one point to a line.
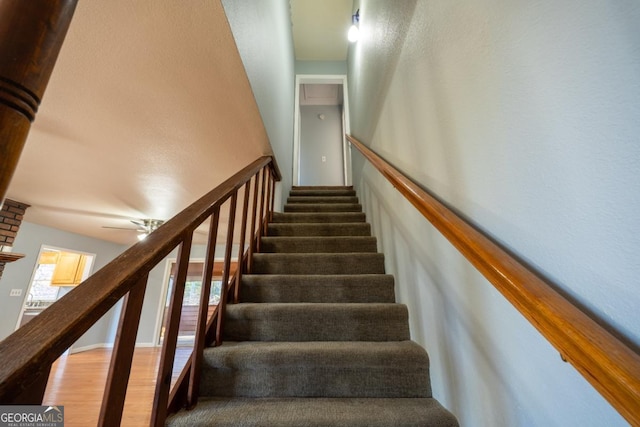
27 354
611 366
275 169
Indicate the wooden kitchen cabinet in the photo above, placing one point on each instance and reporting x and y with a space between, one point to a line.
49 257
69 269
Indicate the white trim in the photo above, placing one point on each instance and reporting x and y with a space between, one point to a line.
145 344
106 345
163 298
340 79
346 145
165 288
89 347
296 134
88 270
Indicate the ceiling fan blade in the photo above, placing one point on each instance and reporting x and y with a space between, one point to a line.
145 226
120 228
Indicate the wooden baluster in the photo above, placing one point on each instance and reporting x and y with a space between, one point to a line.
273 198
212 328
34 394
122 356
201 329
261 211
243 234
31 35
227 265
163 383
254 211
265 218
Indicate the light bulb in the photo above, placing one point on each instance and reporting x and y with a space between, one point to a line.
354 34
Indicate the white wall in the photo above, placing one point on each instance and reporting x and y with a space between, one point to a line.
524 117
321 67
262 31
321 138
17 275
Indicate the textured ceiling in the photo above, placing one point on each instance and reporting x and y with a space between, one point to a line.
139 119
320 29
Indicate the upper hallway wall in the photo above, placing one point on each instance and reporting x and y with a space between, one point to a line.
262 31
321 67
524 117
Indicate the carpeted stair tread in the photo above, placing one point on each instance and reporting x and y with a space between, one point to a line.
322 207
322 193
318 217
316 322
317 288
317 338
318 244
323 199
316 369
321 187
352 263
314 229
315 412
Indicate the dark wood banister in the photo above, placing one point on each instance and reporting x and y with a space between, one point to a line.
28 353
611 366
31 36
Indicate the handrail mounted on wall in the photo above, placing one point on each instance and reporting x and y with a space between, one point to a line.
611 366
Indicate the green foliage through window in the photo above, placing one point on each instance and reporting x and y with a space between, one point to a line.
192 290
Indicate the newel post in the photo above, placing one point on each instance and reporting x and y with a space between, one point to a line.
31 34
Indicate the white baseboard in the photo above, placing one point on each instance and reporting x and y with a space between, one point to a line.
73 350
146 344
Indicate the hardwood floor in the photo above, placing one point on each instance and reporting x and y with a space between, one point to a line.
77 383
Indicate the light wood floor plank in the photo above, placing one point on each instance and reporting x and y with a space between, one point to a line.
77 382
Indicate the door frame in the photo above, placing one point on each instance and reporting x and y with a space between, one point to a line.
165 290
88 271
163 296
340 79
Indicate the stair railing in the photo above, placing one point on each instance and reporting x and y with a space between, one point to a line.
612 367
27 355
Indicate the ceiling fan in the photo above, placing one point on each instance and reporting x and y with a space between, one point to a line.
145 227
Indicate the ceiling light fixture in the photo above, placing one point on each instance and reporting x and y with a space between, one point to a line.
354 32
148 227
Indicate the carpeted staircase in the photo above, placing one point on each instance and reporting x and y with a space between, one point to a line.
317 339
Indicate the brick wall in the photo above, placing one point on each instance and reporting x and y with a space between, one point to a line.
11 217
